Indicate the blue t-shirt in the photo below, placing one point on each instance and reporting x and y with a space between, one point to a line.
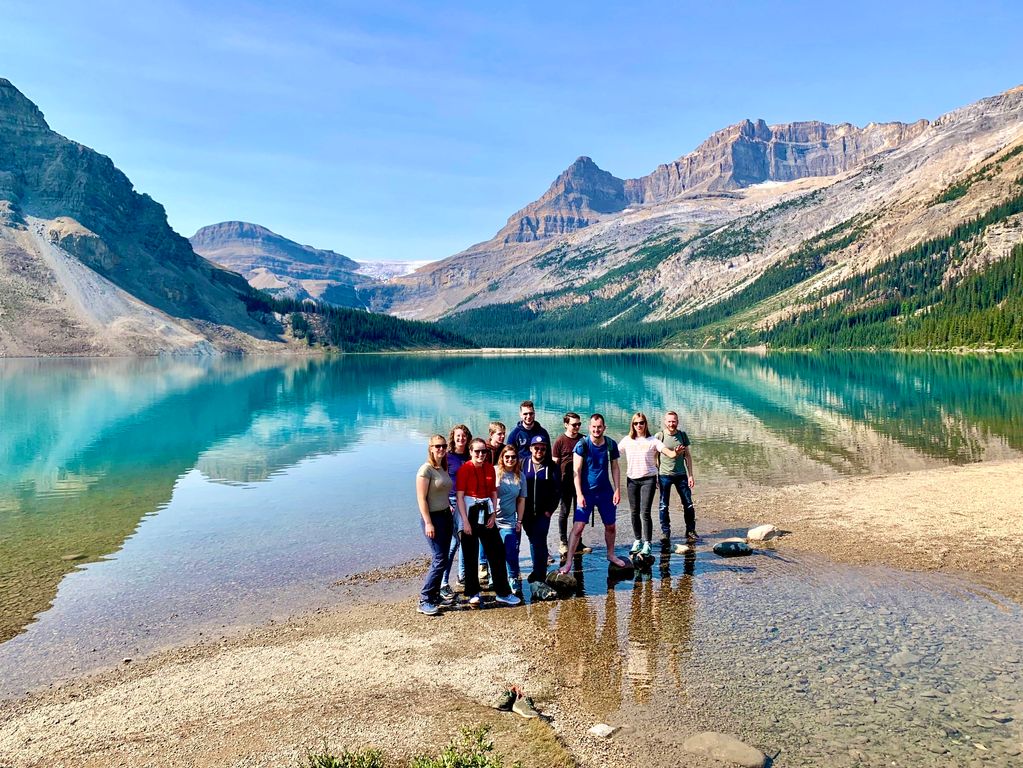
597 462
509 491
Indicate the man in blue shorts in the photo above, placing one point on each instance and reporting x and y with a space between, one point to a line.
597 478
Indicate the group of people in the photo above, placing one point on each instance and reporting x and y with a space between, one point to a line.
478 496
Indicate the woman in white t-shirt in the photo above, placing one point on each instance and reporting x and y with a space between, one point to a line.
640 451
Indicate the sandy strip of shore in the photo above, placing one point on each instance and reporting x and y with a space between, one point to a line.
375 673
965 519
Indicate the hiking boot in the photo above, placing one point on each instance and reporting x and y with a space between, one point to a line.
636 546
691 536
446 595
484 573
504 700
645 549
516 586
541 591
428 609
508 600
563 549
524 706
666 538
474 601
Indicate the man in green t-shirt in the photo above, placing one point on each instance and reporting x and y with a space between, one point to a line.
676 473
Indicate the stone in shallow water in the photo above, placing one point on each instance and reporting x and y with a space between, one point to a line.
720 746
733 549
904 659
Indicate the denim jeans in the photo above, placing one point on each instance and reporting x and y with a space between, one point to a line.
641 501
681 484
453 549
438 555
511 550
536 529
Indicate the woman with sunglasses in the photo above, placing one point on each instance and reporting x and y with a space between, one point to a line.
511 505
433 484
476 496
640 451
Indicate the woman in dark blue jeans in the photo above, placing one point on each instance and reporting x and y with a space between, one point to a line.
433 484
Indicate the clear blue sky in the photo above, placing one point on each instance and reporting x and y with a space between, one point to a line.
411 130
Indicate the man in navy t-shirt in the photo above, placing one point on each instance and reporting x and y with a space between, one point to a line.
597 480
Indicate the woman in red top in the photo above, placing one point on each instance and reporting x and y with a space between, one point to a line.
476 496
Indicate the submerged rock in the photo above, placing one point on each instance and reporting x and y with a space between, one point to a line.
762 533
720 746
641 561
681 549
733 549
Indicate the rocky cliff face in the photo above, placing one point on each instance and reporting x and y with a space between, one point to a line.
88 265
750 153
736 157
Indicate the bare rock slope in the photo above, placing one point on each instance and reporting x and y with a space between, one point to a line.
89 266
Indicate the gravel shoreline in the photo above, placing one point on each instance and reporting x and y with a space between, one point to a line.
374 673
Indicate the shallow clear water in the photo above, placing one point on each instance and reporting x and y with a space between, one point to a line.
145 502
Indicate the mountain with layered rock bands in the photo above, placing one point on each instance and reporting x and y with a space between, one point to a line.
280 266
90 267
802 234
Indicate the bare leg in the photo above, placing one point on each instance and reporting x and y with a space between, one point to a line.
573 543
609 539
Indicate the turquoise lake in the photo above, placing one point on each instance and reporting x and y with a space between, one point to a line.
144 502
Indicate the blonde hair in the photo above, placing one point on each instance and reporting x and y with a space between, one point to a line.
632 427
443 463
516 470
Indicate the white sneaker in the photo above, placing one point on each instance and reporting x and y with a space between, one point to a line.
636 546
507 600
646 548
474 601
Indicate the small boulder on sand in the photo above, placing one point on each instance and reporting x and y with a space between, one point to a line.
729 749
762 533
603 731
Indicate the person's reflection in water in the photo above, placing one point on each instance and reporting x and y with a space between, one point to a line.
643 647
676 609
587 658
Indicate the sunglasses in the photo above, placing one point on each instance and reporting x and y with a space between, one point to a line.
638 423
538 447
441 446
575 423
479 451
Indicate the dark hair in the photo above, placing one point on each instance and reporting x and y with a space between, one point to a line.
526 404
597 416
451 437
571 415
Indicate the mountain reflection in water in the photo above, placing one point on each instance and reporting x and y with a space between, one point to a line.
231 490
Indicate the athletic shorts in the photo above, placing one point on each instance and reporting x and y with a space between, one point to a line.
603 500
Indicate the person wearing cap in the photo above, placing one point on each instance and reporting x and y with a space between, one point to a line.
543 494
527 428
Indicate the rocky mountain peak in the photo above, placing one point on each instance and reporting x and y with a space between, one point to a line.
17 113
580 194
